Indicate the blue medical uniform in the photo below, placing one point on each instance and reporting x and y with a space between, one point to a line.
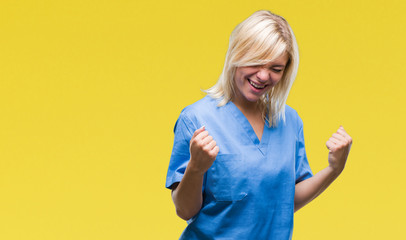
248 192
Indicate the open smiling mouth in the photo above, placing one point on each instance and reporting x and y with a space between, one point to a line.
256 85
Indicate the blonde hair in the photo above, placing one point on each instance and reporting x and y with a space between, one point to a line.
258 40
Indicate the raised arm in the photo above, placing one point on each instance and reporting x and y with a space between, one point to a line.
339 146
187 195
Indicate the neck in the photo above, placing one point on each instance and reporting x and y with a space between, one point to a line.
250 108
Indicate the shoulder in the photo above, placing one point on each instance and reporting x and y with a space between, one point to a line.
193 115
204 106
292 117
290 112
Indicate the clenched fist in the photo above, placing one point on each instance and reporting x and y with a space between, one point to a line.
203 151
339 146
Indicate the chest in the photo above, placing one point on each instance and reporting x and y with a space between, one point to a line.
250 173
257 124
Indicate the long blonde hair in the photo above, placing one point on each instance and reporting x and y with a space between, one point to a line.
258 40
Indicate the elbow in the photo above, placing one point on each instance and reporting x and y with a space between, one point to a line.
185 209
185 215
296 208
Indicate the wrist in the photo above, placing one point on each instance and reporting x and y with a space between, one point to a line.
194 170
335 170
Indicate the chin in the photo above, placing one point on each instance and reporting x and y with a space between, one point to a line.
253 99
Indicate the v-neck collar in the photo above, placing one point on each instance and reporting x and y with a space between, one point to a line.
248 129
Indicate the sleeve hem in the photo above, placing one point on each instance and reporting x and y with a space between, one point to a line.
174 179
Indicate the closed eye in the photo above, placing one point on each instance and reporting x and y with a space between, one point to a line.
277 70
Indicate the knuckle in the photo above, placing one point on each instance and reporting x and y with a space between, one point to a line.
213 155
205 148
193 141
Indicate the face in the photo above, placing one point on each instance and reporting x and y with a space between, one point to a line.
254 81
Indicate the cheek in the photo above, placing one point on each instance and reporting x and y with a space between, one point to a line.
239 79
276 78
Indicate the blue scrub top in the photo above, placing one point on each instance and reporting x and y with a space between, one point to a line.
248 192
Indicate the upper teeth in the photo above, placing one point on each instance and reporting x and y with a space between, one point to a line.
255 85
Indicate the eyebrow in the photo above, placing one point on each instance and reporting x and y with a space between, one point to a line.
278 65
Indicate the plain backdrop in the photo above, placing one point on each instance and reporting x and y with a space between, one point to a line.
90 92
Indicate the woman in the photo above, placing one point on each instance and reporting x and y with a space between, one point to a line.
238 168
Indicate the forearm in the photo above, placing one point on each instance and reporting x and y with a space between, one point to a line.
187 196
310 188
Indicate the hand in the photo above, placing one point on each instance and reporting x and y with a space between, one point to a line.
339 146
203 151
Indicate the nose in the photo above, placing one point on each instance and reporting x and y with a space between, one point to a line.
263 74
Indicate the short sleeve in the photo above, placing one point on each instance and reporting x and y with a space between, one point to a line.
302 167
180 156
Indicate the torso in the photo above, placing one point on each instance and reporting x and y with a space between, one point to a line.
248 193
